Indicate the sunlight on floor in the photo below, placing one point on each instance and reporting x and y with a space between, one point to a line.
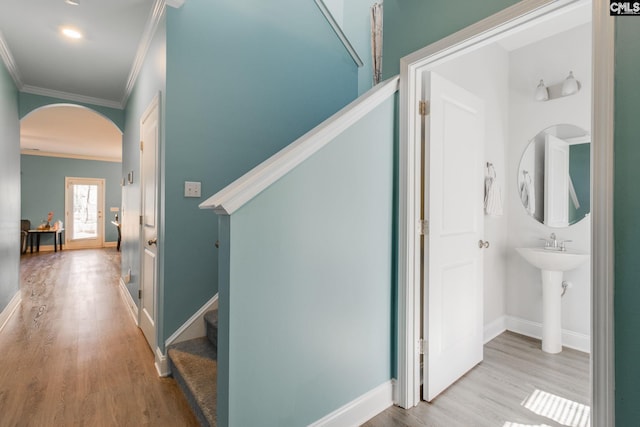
561 410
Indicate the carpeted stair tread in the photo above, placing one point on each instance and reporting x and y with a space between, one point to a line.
211 326
211 317
195 369
197 346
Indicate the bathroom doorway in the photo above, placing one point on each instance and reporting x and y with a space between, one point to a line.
526 17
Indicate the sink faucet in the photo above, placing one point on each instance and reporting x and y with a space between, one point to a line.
554 244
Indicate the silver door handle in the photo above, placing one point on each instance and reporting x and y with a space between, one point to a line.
483 244
153 241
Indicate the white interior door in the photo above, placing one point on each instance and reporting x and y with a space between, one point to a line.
556 182
149 135
84 207
453 203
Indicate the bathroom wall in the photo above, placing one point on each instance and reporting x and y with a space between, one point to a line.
550 59
490 81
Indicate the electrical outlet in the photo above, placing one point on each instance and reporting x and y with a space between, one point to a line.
192 189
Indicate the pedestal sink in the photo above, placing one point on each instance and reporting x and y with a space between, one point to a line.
552 264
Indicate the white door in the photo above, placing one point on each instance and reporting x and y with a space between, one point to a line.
149 127
453 203
556 182
84 207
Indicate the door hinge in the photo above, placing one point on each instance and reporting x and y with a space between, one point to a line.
141 145
423 108
140 219
139 293
422 344
424 227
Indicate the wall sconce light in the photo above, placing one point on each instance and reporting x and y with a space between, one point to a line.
542 94
569 86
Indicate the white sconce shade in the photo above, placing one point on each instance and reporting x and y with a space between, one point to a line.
541 94
570 85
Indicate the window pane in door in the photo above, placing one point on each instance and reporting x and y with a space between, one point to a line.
85 211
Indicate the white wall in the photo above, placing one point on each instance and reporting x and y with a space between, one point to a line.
550 59
490 81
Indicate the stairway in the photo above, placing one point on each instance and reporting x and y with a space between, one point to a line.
194 366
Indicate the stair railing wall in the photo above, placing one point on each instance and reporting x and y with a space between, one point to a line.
305 271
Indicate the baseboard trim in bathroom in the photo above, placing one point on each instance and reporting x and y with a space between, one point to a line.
570 339
495 328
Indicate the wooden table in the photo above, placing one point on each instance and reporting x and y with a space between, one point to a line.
57 238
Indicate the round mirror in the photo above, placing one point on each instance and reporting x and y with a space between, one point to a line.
553 177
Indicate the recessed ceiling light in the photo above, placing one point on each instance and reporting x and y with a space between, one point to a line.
72 2
71 33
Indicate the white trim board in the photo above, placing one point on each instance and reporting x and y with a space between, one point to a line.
161 363
361 409
27 152
194 327
411 68
128 300
8 311
494 328
570 339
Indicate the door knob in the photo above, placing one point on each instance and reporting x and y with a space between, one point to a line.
483 244
153 241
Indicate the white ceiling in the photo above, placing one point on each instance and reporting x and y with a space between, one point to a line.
98 69
101 68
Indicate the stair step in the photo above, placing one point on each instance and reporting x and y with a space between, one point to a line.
193 365
211 326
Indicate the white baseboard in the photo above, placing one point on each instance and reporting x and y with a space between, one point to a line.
109 244
361 409
162 364
128 300
8 311
495 328
570 339
194 327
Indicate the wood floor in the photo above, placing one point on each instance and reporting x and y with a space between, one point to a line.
517 385
71 354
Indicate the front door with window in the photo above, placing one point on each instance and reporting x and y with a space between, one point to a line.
84 207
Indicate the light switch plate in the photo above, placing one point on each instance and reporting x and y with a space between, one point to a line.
192 189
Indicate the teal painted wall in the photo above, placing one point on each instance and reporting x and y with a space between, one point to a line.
579 170
30 102
42 183
9 189
627 232
150 83
309 283
244 79
412 24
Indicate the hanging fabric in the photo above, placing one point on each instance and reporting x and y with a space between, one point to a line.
492 193
528 193
376 42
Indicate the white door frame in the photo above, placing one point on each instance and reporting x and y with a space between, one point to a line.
602 253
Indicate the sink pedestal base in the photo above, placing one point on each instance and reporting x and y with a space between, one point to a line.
551 311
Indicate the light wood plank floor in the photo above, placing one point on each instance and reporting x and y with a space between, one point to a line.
514 376
71 354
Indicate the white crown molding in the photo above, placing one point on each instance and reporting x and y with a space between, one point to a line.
10 63
175 3
70 156
145 42
71 96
